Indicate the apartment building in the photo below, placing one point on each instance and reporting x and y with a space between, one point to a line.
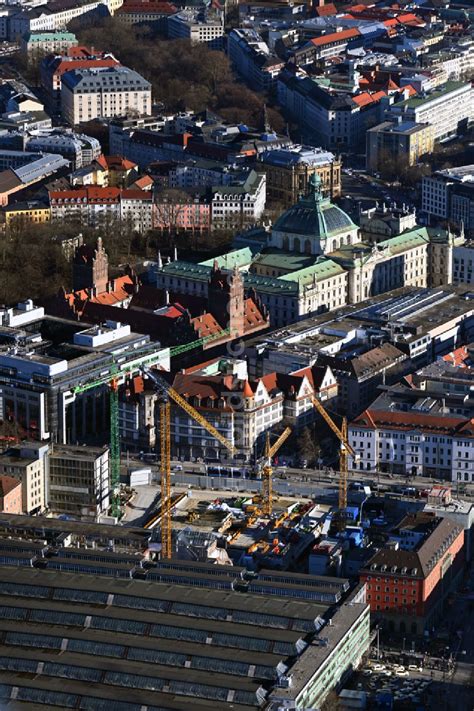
79 481
253 59
288 172
449 109
103 93
96 205
28 464
78 148
463 263
56 15
149 12
239 204
400 143
422 430
54 66
198 26
41 43
407 586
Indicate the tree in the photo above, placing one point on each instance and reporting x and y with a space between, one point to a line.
308 448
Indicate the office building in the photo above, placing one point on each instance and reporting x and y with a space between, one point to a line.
41 43
27 463
398 143
197 26
408 583
448 108
78 481
449 195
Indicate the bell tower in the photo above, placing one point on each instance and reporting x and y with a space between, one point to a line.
90 268
227 299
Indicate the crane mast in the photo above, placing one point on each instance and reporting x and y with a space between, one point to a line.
167 393
344 452
267 470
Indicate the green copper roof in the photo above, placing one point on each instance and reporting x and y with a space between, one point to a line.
238 258
407 240
314 215
324 269
279 259
50 36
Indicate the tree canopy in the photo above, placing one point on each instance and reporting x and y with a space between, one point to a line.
183 75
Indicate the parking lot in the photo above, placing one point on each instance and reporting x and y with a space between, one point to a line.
409 686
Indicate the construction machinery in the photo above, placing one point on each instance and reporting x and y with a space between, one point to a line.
112 379
167 393
344 453
267 470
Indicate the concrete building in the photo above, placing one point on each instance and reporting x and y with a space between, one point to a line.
400 143
408 585
314 635
27 463
39 376
448 108
102 93
79 481
449 195
288 173
197 26
37 44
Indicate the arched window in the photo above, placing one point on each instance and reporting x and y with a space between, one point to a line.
296 245
286 243
307 246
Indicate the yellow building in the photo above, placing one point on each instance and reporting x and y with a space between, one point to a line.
26 212
401 143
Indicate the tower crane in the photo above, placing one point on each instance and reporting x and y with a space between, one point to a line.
112 379
267 470
344 453
167 393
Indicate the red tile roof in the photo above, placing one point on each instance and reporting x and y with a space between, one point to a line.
401 420
335 37
325 10
366 98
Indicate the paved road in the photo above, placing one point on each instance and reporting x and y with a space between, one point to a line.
287 480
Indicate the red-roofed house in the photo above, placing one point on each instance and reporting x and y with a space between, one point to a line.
93 205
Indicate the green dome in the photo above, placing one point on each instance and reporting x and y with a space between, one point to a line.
314 216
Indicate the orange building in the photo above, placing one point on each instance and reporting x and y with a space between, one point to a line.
409 583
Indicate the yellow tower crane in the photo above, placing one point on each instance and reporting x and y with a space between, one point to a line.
168 392
344 453
267 471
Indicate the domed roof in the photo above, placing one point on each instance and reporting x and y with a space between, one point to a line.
314 216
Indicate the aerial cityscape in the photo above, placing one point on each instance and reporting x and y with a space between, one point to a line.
236 355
